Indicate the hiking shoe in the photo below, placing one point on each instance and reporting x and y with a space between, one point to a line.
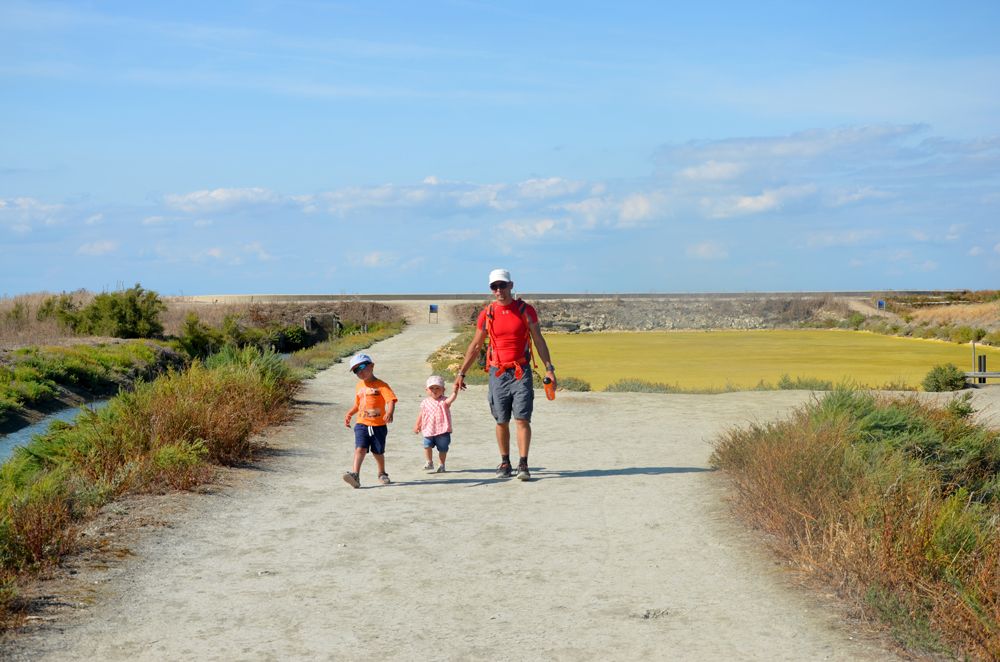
429 466
440 469
522 472
352 479
384 479
504 470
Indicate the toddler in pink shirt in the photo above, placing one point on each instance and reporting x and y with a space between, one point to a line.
434 422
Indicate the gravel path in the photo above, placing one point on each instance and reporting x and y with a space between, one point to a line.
620 548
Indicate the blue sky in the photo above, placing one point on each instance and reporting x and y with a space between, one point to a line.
380 147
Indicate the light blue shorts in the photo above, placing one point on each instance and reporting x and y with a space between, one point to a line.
438 441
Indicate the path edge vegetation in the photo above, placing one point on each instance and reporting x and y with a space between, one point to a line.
892 501
167 433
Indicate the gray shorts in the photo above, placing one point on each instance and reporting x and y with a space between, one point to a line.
511 397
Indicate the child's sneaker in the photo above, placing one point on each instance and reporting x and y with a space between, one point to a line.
352 479
440 469
429 466
384 479
504 470
522 472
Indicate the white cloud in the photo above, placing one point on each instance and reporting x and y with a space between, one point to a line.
220 199
22 214
97 248
928 265
975 250
858 195
954 231
841 238
768 200
548 188
214 253
636 208
919 235
154 220
996 248
707 250
94 219
375 259
712 171
256 249
528 229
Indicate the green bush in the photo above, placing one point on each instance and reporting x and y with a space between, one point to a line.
944 377
198 340
966 334
131 313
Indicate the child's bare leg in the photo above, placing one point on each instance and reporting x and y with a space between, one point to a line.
441 457
359 457
380 462
428 454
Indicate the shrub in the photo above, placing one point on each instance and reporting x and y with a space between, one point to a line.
894 500
944 377
854 321
573 384
131 313
198 340
966 334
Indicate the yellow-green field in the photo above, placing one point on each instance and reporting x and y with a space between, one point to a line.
741 359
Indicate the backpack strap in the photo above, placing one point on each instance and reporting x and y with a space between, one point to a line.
529 355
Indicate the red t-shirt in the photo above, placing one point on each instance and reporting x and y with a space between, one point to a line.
509 331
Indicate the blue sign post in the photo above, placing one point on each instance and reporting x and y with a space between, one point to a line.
432 310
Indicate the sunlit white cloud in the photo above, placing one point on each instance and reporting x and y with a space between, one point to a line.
220 199
21 214
975 250
768 200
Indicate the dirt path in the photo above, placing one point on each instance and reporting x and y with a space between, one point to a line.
621 548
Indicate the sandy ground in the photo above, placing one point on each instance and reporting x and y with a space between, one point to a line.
620 548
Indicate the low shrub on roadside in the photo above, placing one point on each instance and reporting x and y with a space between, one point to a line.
894 501
944 377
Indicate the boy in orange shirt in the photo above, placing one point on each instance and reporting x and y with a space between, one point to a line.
374 402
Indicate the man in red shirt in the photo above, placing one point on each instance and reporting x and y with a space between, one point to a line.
509 323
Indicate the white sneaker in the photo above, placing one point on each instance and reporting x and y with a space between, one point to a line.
440 469
429 466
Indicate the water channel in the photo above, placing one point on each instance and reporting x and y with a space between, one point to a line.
21 437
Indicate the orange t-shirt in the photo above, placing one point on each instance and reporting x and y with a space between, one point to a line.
370 398
509 330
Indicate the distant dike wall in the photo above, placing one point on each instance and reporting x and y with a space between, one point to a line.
572 296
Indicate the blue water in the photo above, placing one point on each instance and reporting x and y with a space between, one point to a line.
24 435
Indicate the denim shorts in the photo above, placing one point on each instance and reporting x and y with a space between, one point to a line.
511 397
371 437
438 441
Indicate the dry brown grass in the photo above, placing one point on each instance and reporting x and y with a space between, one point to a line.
19 324
982 315
905 525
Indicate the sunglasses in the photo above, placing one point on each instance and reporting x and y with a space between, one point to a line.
499 285
361 366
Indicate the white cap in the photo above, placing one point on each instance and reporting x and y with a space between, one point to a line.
358 359
499 274
435 380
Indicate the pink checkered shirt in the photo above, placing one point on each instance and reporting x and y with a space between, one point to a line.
435 416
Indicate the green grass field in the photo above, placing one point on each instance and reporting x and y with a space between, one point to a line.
717 360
